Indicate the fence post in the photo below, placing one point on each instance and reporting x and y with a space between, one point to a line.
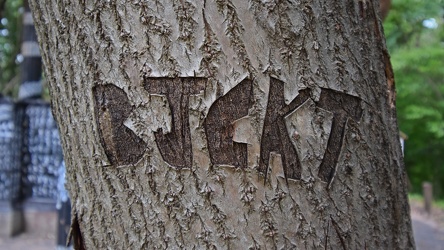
428 196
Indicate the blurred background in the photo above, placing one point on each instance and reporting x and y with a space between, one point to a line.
34 206
415 39
31 162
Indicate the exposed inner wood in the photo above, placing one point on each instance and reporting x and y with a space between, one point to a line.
343 107
219 126
175 146
275 137
112 107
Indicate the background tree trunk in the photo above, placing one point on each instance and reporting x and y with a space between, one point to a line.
226 124
385 7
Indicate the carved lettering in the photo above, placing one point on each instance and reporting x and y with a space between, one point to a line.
343 107
112 107
175 146
219 126
122 146
275 137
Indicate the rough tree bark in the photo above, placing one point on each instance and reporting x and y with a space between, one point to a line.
226 124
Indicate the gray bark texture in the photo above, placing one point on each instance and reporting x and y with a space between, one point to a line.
228 124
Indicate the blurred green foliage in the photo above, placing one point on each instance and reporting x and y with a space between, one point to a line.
414 32
10 26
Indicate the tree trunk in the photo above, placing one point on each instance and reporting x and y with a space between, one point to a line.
226 124
385 7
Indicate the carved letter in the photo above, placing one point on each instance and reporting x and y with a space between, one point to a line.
219 126
343 106
112 107
275 137
175 147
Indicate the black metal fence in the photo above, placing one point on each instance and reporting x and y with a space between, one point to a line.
10 152
30 151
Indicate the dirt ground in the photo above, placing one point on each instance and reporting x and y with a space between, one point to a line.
28 241
428 231
428 228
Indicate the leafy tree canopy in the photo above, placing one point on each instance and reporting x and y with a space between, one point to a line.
10 23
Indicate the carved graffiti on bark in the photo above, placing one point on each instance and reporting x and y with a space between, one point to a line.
175 147
275 136
112 108
219 126
343 107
